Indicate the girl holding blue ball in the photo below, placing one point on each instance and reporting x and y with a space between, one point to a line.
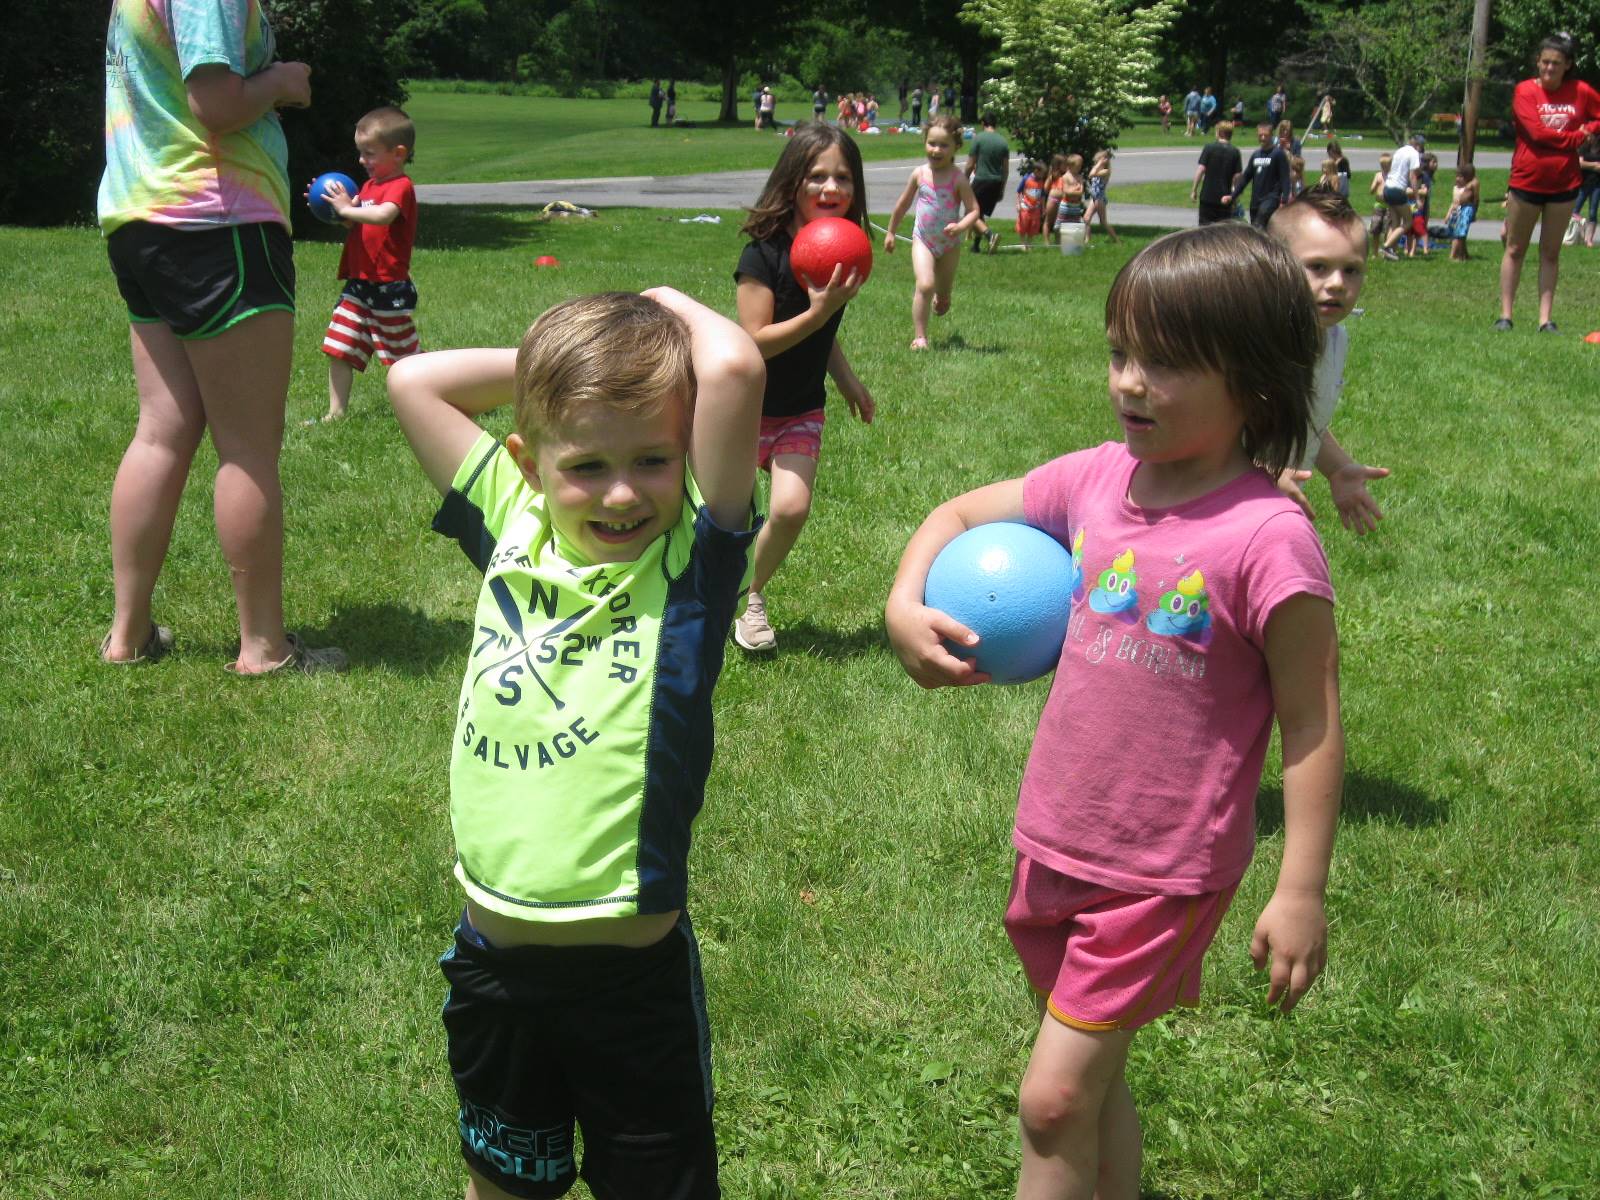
1202 613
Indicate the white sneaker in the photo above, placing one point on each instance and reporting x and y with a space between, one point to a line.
751 630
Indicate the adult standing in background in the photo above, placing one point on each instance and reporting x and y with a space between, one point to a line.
655 103
903 91
767 109
916 105
672 101
1551 114
819 103
194 204
1208 108
988 168
1213 177
1191 112
1277 103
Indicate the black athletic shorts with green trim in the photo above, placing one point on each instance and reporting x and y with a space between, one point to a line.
200 282
610 1038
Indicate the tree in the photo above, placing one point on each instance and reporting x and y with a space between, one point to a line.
1403 57
1214 41
1072 68
733 38
52 124
1525 23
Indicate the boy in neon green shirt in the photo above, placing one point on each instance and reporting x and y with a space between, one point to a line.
614 529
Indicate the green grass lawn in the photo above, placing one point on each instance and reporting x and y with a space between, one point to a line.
221 900
485 137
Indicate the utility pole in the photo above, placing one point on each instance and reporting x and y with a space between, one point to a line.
1469 115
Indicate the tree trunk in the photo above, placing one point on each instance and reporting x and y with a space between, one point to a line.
1217 74
730 102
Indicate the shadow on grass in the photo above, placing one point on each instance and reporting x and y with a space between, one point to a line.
1366 798
479 226
956 342
837 645
394 636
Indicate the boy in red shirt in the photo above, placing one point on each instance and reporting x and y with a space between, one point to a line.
375 309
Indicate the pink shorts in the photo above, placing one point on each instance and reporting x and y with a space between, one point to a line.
800 434
1108 959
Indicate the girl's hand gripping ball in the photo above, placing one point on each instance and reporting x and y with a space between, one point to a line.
826 243
317 195
1012 585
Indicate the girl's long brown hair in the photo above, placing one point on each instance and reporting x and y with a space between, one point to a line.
774 208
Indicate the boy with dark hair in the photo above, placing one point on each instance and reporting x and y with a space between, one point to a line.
378 302
1326 235
614 532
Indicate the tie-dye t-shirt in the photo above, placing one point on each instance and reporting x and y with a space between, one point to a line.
162 165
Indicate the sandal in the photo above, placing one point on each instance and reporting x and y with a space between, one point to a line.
155 648
301 660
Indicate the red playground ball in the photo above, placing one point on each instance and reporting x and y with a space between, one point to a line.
823 244
1012 585
547 260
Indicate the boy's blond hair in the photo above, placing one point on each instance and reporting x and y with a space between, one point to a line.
619 349
392 127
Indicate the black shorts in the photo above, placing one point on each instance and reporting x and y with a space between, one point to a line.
612 1038
1211 213
987 193
1540 199
201 282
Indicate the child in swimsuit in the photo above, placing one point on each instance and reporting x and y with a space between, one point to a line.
941 192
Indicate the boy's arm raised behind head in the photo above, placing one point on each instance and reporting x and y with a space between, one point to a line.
731 377
436 398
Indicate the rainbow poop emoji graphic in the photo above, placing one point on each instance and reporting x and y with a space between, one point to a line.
1117 589
1185 611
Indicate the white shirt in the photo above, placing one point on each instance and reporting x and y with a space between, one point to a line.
1406 160
1327 383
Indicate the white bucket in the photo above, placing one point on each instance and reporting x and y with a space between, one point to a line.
1073 236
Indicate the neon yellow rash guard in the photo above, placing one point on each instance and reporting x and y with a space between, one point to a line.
583 735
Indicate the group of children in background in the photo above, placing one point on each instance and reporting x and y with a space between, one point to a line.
619 514
1059 192
1419 234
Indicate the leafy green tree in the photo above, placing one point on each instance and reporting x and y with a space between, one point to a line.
1404 58
52 124
1071 69
1525 23
1214 42
440 38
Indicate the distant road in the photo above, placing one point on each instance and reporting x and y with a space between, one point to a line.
735 189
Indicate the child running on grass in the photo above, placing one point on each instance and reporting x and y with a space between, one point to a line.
818 175
1324 234
1204 611
376 308
941 192
613 530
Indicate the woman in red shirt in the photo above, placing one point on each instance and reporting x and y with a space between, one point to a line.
1552 114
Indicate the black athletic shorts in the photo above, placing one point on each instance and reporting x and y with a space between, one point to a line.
1210 213
612 1038
987 193
202 281
1543 198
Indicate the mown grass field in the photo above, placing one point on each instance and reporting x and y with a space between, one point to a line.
221 901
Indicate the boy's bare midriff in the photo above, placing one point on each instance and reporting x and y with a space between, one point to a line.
602 931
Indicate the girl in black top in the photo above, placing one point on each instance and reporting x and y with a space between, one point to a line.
818 175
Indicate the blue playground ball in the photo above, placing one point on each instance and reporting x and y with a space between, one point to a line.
317 194
1011 584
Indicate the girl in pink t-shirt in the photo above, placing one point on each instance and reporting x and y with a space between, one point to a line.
1202 611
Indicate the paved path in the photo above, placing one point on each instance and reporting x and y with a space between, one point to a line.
735 189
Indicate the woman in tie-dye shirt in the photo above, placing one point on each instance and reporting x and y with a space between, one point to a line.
194 205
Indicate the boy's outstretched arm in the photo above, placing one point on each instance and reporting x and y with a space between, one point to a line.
917 632
1347 483
727 411
436 398
1302 651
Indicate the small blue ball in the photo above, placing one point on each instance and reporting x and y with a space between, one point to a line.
317 195
1011 584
